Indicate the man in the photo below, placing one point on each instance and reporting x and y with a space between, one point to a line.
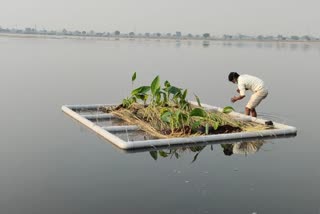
254 84
242 148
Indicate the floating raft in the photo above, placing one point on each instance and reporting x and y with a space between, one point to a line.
126 136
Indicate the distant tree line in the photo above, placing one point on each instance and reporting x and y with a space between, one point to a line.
158 35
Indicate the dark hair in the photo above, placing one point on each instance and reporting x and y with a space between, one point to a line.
228 151
233 76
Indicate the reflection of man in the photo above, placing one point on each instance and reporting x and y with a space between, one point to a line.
242 148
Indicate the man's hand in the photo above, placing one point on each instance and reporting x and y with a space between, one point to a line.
234 99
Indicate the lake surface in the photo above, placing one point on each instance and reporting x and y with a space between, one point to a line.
51 164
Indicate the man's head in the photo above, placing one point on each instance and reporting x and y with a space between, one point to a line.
227 149
228 152
233 77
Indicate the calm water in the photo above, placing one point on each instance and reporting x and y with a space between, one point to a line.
51 164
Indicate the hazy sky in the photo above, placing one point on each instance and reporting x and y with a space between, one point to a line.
214 16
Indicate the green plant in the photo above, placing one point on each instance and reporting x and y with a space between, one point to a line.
177 119
227 109
204 118
175 110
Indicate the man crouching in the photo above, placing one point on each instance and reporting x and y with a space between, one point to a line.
254 84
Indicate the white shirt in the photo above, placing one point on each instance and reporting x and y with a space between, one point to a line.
246 148
248 82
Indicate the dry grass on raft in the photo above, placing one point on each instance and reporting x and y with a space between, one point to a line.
137 114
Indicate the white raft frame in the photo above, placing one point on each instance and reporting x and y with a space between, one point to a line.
105 132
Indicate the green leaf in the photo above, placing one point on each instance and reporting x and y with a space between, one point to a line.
140 90
142 97
163 154
126 103
163 110
155 85
177 155
134 76
162 92
227 109
198 112
154 154
167 84
195 125
213 116
184 105
184 95
183 117
176 96
216 125
198 100
158 98
166 117
165 98
174 90
195 157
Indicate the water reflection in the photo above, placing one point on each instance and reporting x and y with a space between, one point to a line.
178 152
206 43
292 46
178 43
306 47
242 148
227 148
272 45
239 148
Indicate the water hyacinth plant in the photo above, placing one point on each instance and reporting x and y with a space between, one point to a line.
164 112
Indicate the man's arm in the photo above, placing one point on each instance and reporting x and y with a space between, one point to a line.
241 90
236 98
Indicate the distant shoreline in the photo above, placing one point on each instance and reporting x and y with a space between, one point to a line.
40 36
